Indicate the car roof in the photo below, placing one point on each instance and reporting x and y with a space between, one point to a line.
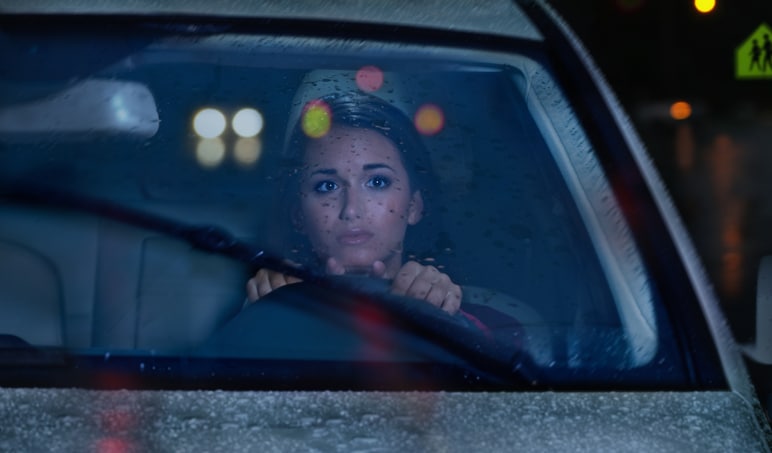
497 17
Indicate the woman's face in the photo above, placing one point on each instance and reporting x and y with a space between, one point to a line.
356 201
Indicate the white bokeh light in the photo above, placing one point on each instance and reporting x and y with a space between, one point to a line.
210 152
209 123
247 122
247 151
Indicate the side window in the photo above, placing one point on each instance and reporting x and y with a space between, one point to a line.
601 216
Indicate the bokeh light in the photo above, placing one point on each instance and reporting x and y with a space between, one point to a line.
210 152
369 78
114 445
209 123
247 151
680 110
316 119
247 122
429 119
705 6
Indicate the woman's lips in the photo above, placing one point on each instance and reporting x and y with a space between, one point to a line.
354 237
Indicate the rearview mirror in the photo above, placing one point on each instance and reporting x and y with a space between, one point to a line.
89 106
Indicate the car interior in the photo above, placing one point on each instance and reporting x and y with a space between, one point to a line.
73 278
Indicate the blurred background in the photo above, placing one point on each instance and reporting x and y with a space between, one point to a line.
701 98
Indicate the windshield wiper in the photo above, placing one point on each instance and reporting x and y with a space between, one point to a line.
207 237
498 363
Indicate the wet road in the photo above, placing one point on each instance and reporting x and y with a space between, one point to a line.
719 173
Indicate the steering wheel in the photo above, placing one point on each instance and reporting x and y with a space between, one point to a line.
352 319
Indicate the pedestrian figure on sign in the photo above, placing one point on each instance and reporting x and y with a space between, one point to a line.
755 56
767 54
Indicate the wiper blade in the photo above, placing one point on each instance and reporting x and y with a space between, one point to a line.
207 237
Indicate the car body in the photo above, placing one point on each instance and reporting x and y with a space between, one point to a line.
128 234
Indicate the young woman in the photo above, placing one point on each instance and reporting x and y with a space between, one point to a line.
359 188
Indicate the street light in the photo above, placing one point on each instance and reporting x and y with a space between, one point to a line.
705 6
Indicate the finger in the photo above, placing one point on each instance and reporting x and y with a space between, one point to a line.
430 285
440 286
423 283
252 294
263 283
405 277
335 268
379 268
452 300
288 279
276 279
429 274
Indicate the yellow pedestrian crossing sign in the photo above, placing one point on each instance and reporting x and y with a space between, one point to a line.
753 59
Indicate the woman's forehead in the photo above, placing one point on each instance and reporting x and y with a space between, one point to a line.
349 146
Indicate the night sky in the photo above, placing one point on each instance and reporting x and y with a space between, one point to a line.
664 49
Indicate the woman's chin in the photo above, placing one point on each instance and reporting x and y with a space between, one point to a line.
364 263
359 270
357 265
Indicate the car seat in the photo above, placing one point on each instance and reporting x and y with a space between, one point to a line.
31 297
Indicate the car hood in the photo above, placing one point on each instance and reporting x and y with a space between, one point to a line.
93 420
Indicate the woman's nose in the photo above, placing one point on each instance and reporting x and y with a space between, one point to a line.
351 204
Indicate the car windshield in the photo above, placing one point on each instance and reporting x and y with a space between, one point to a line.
150 171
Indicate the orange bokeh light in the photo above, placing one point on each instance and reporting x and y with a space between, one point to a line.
429 119
680 110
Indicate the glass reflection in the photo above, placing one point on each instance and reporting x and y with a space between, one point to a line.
247 151
209 123
210 152
429 119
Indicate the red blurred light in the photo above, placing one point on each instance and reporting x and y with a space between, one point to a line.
114 445
369 79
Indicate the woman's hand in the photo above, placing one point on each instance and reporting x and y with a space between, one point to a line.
427 283
265 281
413 280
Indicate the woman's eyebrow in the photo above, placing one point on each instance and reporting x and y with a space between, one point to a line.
376 167
366 167
324 171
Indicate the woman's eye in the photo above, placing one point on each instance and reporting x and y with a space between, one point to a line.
379 182
325 186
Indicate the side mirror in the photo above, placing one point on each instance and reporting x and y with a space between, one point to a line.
761 350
